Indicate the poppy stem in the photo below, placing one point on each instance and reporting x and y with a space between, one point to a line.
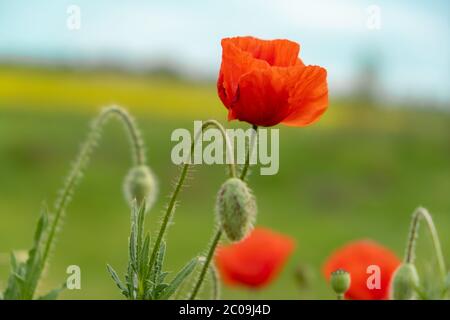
422 213
82 160
215 282
181 179
209 256
216 238
249 153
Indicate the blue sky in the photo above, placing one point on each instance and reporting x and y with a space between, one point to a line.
412 46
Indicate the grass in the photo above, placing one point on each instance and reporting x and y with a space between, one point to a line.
358 173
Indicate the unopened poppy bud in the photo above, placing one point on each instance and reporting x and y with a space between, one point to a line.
404 282
140 185
236 209
340 282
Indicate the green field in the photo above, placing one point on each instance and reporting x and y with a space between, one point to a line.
359 173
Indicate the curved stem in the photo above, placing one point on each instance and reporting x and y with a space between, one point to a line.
82 160
215 282
422 213
209 256
184 171
136 140
218 235
249 153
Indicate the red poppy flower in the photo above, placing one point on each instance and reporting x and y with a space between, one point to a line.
355 258
263 82
255 261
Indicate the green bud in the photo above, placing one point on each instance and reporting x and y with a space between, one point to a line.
140 184
404 282
236 209
340 282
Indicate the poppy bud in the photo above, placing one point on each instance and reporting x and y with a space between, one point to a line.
236 209
340 282
140 184
404 282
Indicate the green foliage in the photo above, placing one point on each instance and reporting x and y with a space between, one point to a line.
432 287
24 277
142 280
341 183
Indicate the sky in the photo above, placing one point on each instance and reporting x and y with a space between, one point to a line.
411 47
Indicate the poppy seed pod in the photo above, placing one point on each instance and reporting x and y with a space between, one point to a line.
140 184
340 281
236 209
404 282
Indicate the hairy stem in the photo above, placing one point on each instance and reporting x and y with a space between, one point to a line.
419 214
181 179
209 256
82 161
218 235
249 153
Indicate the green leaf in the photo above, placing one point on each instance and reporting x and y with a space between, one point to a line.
53 295
14 287
160 288
41 226
34 264
13 262
133 240
157 268
140 224
179 278
446 286
129 280
144 256
162 277
116 279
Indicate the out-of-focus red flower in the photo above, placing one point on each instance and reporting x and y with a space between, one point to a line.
355 258
263 82
255 261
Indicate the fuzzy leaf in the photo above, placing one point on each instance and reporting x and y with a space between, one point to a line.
446 286
41 226
53 295
13 262
34 264
143 256
162 277
157 268
179 278
140 224
117 281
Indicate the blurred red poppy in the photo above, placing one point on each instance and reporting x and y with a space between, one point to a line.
263 82
355 258
255 261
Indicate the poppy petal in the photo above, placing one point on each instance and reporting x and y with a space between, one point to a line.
309 98
278 53
263 82
355 258
235 63
255 261
262 98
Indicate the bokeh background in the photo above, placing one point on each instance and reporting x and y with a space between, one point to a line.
381 150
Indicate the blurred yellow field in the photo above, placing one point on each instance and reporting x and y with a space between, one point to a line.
87 91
